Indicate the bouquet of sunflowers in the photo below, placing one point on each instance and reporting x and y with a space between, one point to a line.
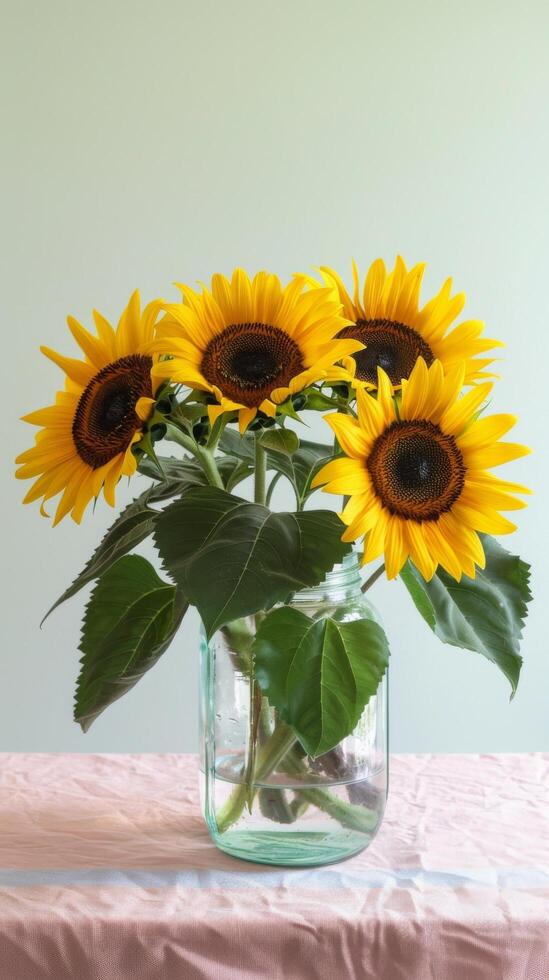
225 376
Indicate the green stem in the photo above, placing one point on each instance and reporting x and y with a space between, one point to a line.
278 748
239 639
175 434
268 758
216 432
232 808
260 468
280 742
373 578
209 465
347 814
255 714
200 453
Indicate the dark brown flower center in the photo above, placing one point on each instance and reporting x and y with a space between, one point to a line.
389 345
105 418
247 361
417 470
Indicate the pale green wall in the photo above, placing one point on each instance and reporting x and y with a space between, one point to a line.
147 142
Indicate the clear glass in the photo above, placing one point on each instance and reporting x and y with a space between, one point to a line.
264 799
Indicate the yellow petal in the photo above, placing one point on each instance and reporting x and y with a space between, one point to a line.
373 290
365 521
460 413
50 483
242 294
441 551
487 522
268 408
129 461
83 497
415 391
128 334
374 542
95 349
480 478
111 479
354 506
279 395
181 371
370 414
245 416
437 315
144 408
419 552
345 476
68 499
486 431
106 333
488 456
350 435
385 396
396 550
214 411
392 289
408 300
53 416
78 371
490 497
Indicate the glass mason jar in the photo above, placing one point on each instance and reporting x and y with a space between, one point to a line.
264 799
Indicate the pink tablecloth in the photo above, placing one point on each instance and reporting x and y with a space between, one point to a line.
107 873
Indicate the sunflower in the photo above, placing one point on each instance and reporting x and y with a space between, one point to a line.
395 331
416 473
86 438
251 343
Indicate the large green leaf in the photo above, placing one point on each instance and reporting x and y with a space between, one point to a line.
136 521
130 620
320 674
132 526
232 558
485 614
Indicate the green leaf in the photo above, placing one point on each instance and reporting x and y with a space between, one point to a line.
287 408
232 558
130 620
415 585
233 471
279 440
299 469
320 674
136 521
485 614
190 473
233 444
318 402
133 525
185 470
303 465
190 411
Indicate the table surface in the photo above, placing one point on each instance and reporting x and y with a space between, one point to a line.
107 873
